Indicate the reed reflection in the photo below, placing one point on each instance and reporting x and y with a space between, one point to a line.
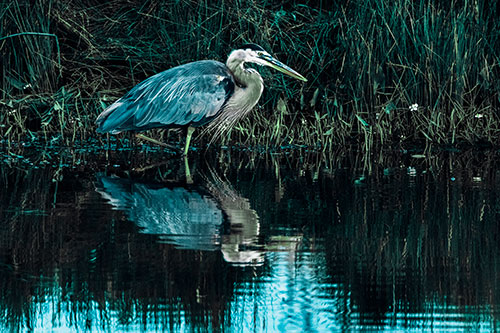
208 216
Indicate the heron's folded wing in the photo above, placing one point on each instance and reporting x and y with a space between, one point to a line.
190 94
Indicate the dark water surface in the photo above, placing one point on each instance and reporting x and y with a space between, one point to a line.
258 242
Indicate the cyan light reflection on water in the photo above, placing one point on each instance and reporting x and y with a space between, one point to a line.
251 249
291 298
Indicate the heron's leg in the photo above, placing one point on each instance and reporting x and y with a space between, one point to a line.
190 131
189 179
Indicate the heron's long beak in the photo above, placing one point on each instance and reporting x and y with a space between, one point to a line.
278 65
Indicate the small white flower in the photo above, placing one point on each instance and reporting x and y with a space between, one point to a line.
414 107
479 115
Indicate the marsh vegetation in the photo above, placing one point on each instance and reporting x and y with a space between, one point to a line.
379 73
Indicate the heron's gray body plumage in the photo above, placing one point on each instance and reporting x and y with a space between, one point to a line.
187 95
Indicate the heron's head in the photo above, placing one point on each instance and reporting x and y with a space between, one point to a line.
256 54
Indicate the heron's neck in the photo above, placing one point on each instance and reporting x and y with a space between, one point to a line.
249 83
244 77
247 91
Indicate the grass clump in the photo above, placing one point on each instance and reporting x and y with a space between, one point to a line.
379 73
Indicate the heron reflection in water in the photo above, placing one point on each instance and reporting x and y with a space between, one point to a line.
190 218
194 94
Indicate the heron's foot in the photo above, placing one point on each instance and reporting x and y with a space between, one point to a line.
163 144
148 167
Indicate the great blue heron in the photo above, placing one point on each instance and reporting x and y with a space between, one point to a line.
194 94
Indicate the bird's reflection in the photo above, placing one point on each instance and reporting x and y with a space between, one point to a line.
208 216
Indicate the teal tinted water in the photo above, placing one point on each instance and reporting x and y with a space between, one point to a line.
261 243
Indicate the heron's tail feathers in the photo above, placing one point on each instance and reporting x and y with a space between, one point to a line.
111 119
